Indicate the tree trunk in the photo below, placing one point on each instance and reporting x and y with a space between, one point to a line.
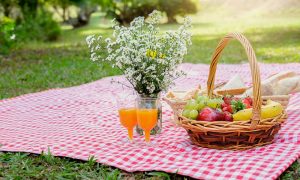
7 8
171 19
83 17
6 11
64 14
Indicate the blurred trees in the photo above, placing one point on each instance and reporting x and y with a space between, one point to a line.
23 20
84 12
84 9
7 26
26 20
175 8
28 6
7 6
62 5
124 11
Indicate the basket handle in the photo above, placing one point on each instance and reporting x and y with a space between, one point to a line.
256 111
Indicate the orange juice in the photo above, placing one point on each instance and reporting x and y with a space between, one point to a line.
147 119
128 120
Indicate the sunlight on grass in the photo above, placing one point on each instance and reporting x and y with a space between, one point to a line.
280 54
98 20
93 31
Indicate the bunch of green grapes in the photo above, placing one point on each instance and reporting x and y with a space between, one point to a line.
215 103
194 106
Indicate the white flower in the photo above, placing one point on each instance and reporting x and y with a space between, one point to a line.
98 47
148 58
154 17
139 77
95 57
89 39
107 40
13 37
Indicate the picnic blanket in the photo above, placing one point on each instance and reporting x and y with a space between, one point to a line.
79 122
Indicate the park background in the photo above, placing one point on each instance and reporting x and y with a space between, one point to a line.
42 46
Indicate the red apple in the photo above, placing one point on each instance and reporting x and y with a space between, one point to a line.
209 114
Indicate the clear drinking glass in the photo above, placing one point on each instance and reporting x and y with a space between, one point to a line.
158 127
127 111
147 115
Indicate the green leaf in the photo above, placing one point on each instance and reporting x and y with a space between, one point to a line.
239 105
160 174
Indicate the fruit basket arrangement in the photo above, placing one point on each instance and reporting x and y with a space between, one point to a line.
227 121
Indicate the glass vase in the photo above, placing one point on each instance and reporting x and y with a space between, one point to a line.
146 102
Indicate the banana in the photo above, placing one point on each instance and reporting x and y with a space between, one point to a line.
271 109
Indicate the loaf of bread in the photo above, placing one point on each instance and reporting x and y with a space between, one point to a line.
183 95
282 83
287 86
235 86
235 82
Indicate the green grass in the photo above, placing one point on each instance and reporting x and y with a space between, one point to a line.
31 70
38 66
293 172
46 166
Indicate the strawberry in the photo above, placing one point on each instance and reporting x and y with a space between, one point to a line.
236 99
228 108
227 99
231 109
248 102
223 105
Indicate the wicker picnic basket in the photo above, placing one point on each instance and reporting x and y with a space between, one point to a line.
236 135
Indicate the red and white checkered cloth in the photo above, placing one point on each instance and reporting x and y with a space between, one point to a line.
81 121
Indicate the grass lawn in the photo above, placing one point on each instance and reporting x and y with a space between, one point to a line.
37 66
46 166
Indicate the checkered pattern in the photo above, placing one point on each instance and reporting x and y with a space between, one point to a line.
82 121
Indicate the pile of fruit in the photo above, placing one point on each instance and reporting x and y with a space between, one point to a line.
227 108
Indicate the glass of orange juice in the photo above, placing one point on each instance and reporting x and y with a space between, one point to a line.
127 112
147 115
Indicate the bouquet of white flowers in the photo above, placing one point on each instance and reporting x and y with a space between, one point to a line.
147 58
